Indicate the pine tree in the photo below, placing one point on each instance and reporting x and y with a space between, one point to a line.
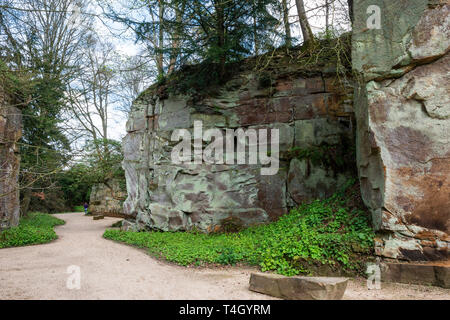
222 31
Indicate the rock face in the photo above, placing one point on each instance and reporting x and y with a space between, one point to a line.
10 133
107 199
299 288
310 110
402 108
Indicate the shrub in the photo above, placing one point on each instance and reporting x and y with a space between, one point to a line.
36 228
78 209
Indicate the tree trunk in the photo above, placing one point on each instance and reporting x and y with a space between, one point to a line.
160 58
255 36
221 36
350 10
25 202
308 36
176 39
287 27
327 16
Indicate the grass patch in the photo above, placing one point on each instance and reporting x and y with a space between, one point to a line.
335 233
36 228
78 209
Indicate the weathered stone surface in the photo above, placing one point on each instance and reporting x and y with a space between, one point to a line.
107 199
128 226
315 132
166 196
403 135
10 133
299 288
307 181
437 274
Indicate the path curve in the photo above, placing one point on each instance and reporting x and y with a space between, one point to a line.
111 270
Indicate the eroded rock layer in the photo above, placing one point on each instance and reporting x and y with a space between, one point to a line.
10 133
403 115
107 199
312 112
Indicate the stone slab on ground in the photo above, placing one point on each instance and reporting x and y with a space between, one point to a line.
436 274
299 288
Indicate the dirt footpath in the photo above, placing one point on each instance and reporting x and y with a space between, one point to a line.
109 270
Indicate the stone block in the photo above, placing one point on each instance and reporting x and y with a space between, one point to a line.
437 274
299 288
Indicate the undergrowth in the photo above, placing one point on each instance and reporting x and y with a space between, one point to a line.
78 209
36 228
335 233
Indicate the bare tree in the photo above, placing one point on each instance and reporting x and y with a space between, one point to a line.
91 92
134 75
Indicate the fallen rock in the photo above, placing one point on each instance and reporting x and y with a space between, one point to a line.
128 226
435 274
299 288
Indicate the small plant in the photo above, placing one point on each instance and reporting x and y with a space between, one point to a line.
228 257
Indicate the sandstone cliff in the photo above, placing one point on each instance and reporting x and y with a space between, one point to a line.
403 115
310 107
107 199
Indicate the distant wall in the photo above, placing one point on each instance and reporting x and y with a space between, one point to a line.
10 133
107 199
402 108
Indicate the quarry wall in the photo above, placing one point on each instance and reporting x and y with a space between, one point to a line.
402 107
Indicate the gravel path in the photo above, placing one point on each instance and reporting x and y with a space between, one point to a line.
110 270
